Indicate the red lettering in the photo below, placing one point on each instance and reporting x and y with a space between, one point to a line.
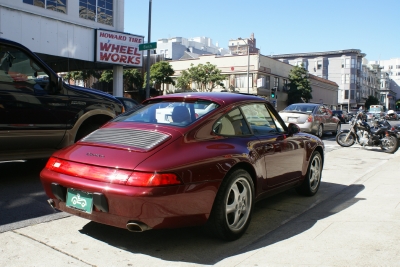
137 60
123 49
115 58
105 46
123 59
135 52
115 48
105 56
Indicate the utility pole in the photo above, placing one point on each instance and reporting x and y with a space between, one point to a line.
148 56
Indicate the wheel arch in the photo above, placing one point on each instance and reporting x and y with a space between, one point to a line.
93 116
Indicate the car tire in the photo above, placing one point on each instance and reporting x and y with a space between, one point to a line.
320 131
233 205
312 181
338 128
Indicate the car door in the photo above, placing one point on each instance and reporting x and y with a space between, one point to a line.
283 154
30 107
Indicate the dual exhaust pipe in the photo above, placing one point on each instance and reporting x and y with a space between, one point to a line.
132 226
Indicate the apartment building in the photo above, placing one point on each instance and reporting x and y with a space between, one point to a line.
390 81
356 81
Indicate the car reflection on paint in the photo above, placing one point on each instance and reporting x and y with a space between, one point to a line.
141 171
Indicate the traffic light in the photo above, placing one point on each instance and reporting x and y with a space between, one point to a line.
273 93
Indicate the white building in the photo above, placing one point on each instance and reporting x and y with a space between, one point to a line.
178 47
390 80
63 33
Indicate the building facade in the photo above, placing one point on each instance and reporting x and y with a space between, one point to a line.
63 33
262 72
356 81
390 80
178 47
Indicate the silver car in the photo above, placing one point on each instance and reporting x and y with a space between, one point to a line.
311 118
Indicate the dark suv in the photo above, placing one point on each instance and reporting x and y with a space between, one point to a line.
342 115
39 113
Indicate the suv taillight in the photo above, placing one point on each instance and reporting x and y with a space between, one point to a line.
310 118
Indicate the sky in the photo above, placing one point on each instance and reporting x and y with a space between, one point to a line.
279 26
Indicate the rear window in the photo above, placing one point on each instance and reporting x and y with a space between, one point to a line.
300 108
169 112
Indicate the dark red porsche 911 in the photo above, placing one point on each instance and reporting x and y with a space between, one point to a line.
183 160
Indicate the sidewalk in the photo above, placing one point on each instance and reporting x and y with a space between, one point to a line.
352 221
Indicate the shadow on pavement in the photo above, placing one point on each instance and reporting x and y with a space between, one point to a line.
191 245
22 193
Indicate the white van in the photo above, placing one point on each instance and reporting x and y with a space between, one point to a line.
375 111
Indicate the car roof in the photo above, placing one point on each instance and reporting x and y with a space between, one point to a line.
223 98
309 104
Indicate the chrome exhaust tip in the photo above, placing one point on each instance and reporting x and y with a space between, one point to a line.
52 203
134 226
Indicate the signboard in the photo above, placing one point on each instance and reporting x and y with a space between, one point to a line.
147 46
118 48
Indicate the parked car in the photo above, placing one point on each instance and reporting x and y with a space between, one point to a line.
342 115
39 113
391 115
311 118
128 103
139 172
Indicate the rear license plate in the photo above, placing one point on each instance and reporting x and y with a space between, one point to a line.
292 120
79 200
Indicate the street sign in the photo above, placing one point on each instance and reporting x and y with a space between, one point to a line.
147 46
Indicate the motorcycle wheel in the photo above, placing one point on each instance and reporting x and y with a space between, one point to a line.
341 137
390 144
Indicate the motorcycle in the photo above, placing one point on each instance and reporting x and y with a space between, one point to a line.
380 134
391 115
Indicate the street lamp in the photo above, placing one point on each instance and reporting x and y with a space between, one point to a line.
248 63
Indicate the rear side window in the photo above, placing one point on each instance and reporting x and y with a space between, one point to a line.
232 123
169 112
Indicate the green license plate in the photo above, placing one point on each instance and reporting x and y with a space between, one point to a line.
79 200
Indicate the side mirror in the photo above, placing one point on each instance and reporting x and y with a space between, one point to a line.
293 129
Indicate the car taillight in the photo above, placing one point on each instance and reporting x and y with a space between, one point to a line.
310 118
152 179
111 175
104 174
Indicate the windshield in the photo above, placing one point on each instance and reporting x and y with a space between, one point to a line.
169 112
375 109
300 108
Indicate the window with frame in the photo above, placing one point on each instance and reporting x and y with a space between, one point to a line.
285 85
353 78
55 5
276 82
100 11
261 120
319 64
232 123
345 78
353 63
390 67
397 66
346 63
241 80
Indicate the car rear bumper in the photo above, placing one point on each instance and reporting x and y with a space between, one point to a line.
155 207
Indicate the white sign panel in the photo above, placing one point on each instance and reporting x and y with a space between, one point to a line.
118 48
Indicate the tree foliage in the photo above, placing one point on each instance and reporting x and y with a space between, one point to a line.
160 73
183 82
131 77
83 75
299 85
205 76
371 100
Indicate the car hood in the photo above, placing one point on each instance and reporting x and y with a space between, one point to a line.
120 145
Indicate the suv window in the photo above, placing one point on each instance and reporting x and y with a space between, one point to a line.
17 68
